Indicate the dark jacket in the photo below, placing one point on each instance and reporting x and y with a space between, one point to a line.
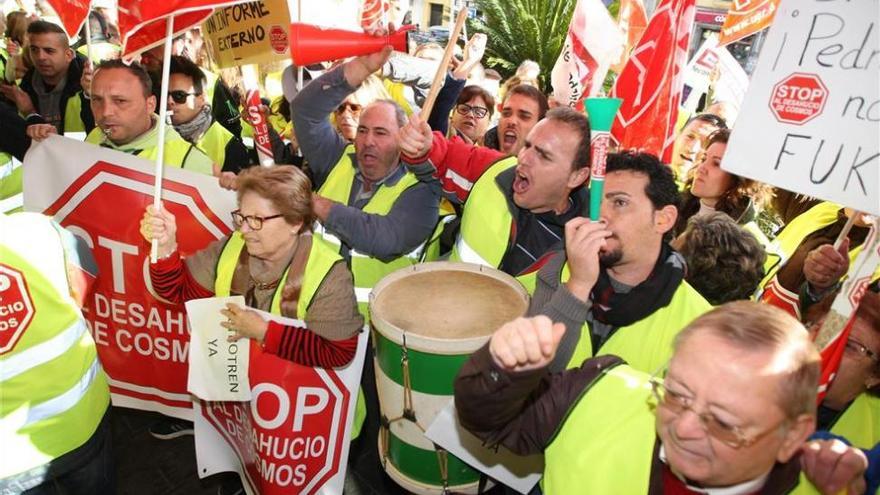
72 88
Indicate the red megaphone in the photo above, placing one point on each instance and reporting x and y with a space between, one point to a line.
311 44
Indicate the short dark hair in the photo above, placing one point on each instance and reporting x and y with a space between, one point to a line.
579 123
45 27
188 68
472 91
725 262
661 189
532 93
134 68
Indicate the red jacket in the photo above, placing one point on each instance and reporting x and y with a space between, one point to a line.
457 164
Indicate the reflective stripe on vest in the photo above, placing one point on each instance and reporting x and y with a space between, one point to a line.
214 142
860 423
646 345
176 150
485 224
11 188
366 270
54 390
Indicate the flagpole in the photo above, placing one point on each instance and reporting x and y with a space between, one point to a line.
163 110
89 35
440 76
299 68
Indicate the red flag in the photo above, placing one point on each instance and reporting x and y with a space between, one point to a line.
72 13
651 82
142 23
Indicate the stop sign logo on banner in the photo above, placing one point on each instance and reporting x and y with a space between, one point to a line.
16 307
290 436
143 341
810 119
798 98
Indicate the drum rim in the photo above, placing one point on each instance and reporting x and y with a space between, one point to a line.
436 345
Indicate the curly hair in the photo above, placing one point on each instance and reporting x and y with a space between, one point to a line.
725 262
735 200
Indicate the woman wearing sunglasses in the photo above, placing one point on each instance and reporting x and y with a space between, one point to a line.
273 260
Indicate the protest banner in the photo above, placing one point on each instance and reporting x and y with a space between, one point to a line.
218 368
248 33
731 80
294 434
809 122
100 195
745 18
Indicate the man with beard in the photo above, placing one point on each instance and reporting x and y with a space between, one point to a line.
617 286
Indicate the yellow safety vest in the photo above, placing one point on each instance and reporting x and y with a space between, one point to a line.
213 143
646 344
860 423
72 120
485 224
366 270
176 150
321 260
11 188
54 391
606 443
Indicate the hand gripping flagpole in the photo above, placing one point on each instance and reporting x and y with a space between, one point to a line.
601 112
163 111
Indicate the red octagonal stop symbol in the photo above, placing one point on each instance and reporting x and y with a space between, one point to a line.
16 307
798 98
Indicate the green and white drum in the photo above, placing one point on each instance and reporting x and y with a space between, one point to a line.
427 319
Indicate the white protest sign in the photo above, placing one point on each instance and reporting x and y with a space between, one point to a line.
518 472
732 82
811 118
218 369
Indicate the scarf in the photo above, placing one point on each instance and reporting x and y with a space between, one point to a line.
622 309
195 128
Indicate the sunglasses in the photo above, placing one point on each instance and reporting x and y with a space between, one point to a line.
180 96
353 107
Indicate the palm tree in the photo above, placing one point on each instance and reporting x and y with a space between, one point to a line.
524 29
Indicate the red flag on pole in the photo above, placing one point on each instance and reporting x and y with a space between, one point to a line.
142 22
72 13
651 82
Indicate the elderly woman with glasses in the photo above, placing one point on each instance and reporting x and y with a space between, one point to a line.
273 260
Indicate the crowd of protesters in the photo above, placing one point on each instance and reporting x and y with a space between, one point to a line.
697 291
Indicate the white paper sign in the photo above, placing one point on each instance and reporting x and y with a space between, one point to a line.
811 118
518 472
732 79
218 369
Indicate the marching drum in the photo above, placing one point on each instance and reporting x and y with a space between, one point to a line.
427 319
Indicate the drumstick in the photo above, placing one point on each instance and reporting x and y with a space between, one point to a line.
440 76
846 229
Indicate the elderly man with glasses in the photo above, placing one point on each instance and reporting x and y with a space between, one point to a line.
728 414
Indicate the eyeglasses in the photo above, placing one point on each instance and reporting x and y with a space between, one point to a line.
728 434
253 221
860 348
464 109
180 96
353 107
